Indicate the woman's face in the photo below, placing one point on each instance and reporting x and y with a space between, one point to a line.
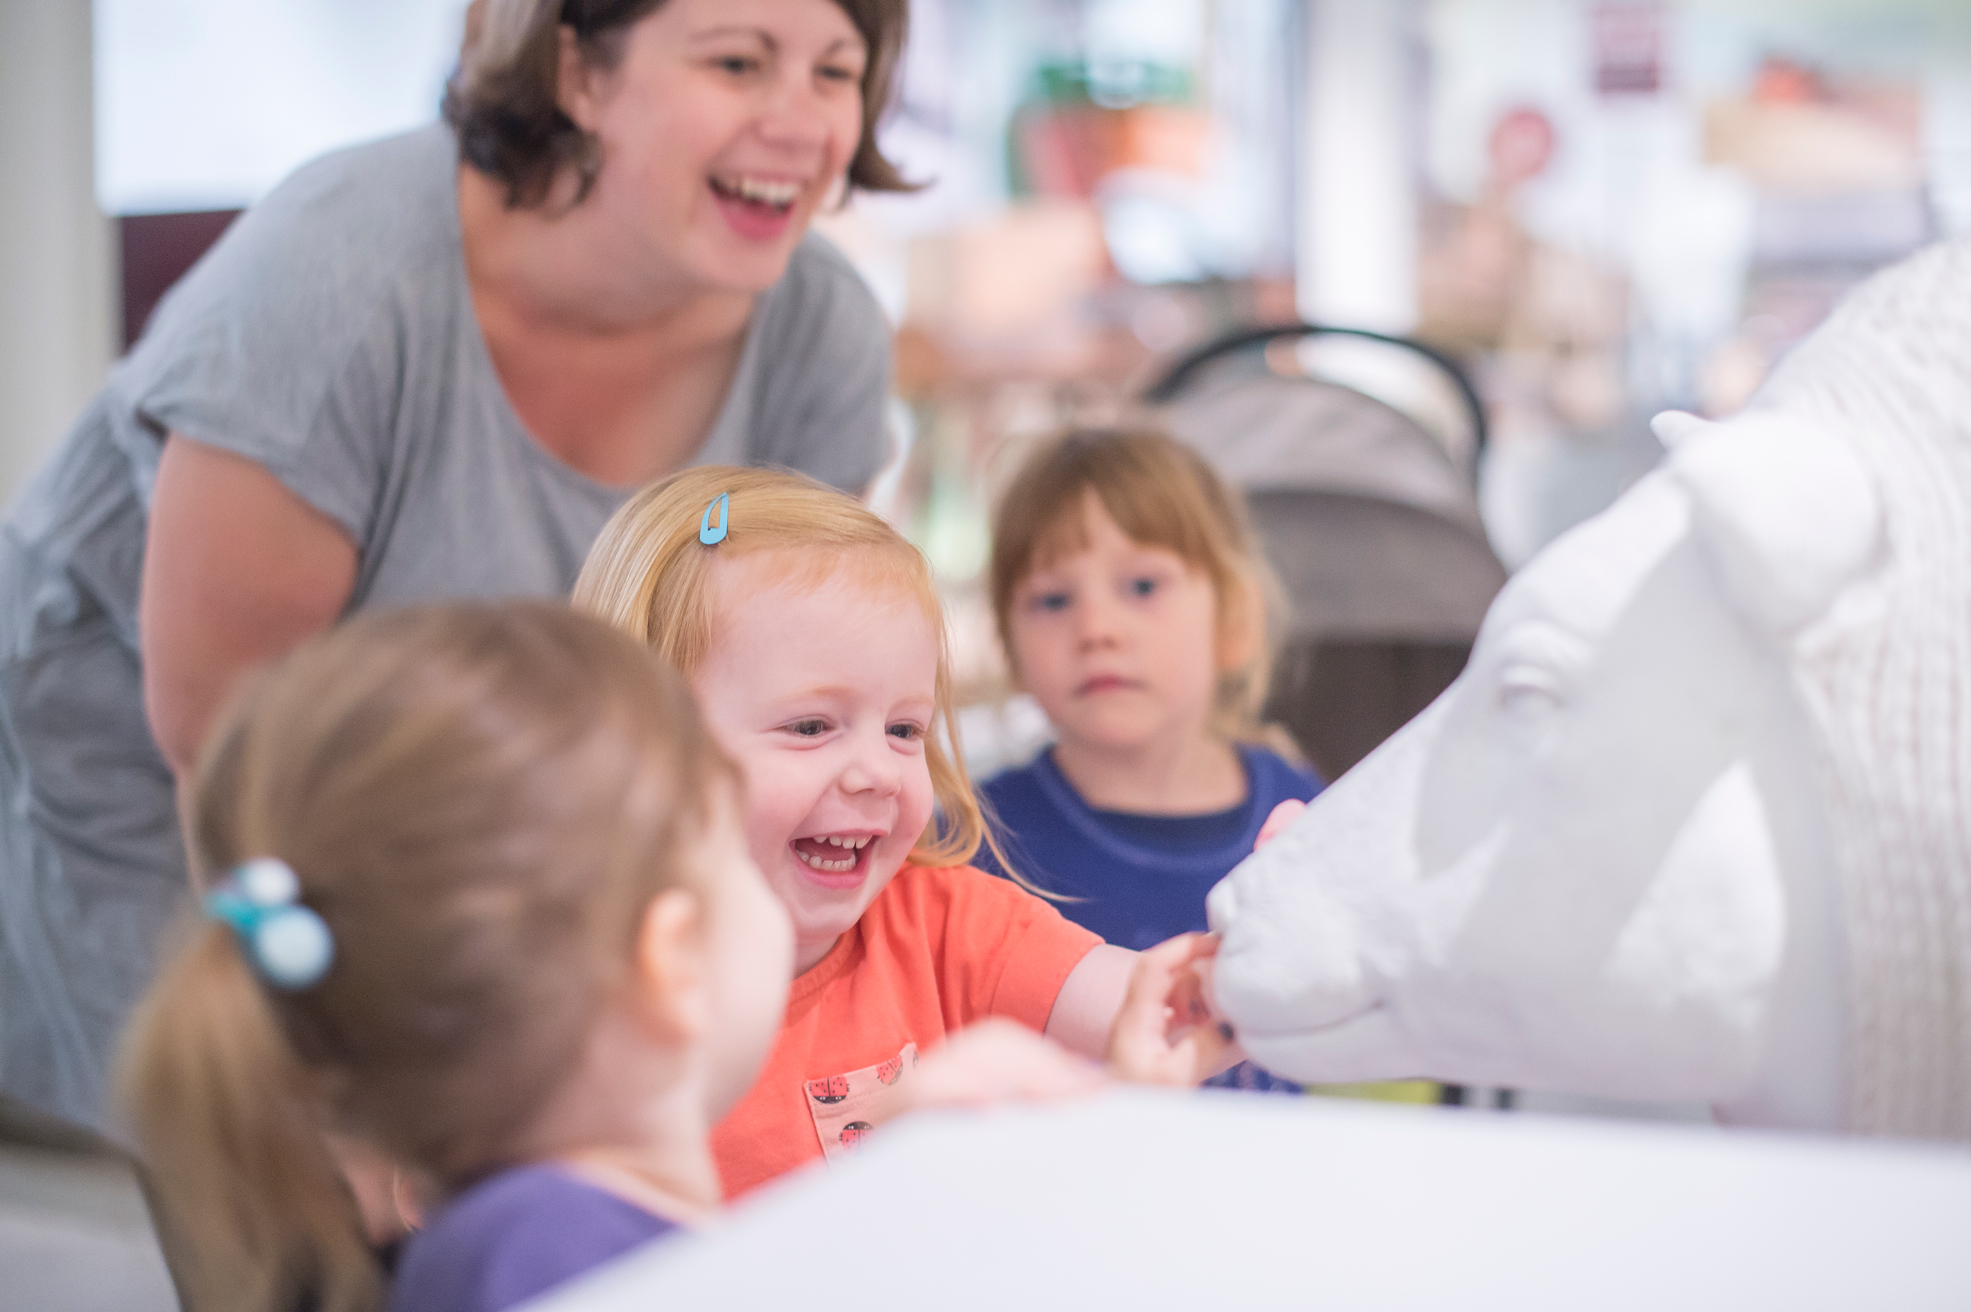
723 127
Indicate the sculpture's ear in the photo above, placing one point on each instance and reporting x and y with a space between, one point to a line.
1787 513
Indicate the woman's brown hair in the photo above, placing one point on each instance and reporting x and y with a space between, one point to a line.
479 800
1160 493
502 99
648 575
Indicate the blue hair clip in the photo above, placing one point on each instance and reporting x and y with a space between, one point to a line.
709 535
289 945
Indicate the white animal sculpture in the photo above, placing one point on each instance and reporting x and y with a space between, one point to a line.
1695 823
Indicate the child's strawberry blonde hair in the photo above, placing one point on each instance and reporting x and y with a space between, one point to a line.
649 575
1162 494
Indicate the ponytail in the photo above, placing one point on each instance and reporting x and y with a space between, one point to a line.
473 804
255 1214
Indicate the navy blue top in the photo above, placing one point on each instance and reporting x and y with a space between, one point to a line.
1141 878
516 1236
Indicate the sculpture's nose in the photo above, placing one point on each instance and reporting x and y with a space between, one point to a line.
1221 906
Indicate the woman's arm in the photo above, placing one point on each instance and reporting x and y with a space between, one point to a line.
237 570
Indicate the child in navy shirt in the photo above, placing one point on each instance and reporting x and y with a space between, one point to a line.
1132 604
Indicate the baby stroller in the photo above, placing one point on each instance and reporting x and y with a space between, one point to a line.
1370 521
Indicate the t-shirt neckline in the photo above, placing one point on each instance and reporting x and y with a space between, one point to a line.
513 428
1086 820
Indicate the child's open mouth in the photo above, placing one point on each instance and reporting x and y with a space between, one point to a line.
755 207
833 854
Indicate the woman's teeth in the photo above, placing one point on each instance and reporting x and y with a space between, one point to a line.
779 195
851 846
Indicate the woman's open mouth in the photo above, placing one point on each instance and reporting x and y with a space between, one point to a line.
759 208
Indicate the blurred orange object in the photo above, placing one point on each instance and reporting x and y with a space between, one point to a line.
1067 151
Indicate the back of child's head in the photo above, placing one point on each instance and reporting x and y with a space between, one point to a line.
652 575
1160 493
478 801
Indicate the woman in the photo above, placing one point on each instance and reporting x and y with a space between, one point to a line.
427 367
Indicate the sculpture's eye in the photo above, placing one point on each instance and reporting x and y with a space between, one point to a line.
1538 663
1528 690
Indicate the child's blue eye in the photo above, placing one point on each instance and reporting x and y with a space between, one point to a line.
1142 587
1051 601
905 731
808 728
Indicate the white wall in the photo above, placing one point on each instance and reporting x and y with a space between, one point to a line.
205 104
58 303
1357 247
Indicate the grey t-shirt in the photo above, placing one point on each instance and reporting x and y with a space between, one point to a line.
329 337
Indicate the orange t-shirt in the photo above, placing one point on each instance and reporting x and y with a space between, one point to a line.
936 950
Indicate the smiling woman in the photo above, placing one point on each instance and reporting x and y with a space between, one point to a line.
427 367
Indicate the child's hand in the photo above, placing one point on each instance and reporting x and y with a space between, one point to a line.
998 1061
1165 1032
1276 822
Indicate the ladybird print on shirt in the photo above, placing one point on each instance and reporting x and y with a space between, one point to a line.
847 1108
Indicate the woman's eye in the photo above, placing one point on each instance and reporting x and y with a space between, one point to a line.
841 73
1142 587
737 65
808 728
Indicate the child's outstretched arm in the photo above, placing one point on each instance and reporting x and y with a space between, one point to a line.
1144 1012
1089 999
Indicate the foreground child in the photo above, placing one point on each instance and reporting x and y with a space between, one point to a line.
1132 604
479 898
814 638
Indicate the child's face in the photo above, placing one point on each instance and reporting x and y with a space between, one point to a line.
824 695
1119 642
750 951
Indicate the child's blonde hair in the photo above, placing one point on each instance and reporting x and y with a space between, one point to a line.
649 575
1162 494
479 801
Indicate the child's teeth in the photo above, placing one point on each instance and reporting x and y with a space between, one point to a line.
822 863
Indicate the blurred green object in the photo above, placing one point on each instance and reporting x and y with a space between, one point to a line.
1423 1093
1113 83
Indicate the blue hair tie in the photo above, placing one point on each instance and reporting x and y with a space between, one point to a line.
289 945
712 535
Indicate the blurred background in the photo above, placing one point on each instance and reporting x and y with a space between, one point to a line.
1552 218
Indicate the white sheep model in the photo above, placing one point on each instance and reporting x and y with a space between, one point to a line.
1695 823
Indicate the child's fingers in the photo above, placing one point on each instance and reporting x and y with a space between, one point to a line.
1276 822
1164 1026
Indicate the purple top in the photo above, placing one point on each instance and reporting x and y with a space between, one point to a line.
513 1237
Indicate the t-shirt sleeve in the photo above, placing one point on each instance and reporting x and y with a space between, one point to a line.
287 343
1006 952
826 407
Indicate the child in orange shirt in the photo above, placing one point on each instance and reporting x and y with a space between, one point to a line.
813 636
